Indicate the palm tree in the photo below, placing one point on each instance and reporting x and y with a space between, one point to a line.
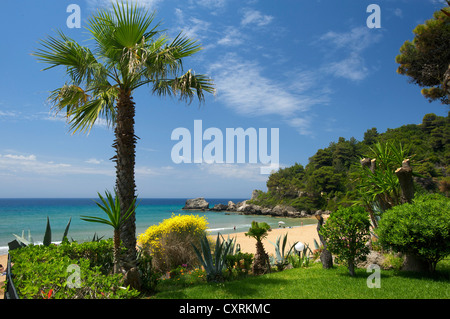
129 52
259 231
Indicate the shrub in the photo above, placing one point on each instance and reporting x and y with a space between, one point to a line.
149 278
421 228
170 241
240 263
42 272
346 233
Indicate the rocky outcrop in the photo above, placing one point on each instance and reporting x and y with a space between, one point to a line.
219 207
247 208
196 204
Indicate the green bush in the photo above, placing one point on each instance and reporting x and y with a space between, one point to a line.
43 272
239 263
421 228
346 232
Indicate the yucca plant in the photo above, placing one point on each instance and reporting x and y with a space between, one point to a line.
115 219
214 264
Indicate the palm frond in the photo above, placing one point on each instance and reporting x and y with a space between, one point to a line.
81 64
83 110
186 87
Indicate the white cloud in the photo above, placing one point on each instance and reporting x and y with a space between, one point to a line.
255 17
398 12
349 48
351 68
8 114
209 3
232 37
20 157
30 164
193 28
94 161
245 89
248 172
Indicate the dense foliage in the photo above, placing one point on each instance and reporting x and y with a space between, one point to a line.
346 233
44 272
328 181
421 228
426 59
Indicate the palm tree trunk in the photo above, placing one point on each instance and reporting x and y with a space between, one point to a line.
261 259
116 251
125 145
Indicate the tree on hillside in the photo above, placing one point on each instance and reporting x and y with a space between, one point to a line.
426 60
129 51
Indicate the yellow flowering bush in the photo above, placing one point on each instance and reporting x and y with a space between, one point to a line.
169 242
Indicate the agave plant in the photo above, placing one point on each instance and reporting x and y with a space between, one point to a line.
282 258
47 235
115 219
215 263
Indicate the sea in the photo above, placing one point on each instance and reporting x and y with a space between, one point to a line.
29 215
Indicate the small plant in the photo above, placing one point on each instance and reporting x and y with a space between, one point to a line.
149 278
239 263
282 258
214 264
346 233
115 219
392 261
301 259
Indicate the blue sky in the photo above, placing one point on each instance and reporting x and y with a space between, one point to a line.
313 69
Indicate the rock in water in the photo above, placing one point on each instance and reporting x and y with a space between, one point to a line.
219 207
197 203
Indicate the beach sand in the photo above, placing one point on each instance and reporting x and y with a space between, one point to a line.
305 234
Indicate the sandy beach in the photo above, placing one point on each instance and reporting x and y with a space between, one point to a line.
305 234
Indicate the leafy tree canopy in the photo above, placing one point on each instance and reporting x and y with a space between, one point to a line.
426 59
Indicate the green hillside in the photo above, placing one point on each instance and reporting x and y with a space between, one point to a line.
332 176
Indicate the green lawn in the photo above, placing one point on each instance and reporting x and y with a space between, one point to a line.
315 282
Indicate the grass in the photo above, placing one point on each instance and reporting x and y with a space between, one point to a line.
315 282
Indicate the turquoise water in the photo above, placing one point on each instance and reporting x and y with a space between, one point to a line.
31 214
